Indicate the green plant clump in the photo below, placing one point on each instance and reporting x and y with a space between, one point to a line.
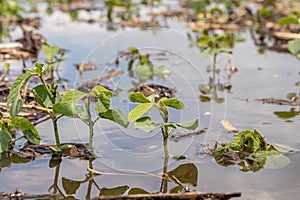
250 150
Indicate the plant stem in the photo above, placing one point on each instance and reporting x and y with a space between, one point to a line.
47 90
12 142
215 62
90 123
53 115
55 127
164 181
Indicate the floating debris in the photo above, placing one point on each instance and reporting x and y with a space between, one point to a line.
18 194
104 80
209 148
159 91
178 135
186 195
86 67
74 150
229 127
278 101
137 23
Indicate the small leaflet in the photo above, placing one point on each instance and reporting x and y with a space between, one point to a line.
229 127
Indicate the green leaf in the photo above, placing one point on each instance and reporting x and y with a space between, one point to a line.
162 72
144 71
70 186
41 96
204 40
146 124
185 173
294 46
5 139
116 116
133 50
103 95
38 69
191 125
50 51
287 20
98 90
139 111
29 131
15 93
48 68
55 149
171 125
283 148
130 64
73 96
276 161
16 107
117 191
69 106
173 103
31 70
103 104
71 110
138 97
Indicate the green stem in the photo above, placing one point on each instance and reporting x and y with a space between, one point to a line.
164 181
47 90
12 142
55 127
53 116
90 123
215 63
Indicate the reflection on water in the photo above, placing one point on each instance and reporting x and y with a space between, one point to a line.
60 186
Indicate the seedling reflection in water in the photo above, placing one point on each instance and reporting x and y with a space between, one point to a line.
148 125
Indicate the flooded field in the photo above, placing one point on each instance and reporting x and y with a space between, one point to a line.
250 87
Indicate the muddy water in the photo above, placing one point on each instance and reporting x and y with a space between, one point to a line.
135 159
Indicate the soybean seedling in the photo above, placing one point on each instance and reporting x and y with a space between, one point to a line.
70 107
45 95
146 124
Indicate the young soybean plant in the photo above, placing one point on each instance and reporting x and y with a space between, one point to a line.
70 107
45 95
146 124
